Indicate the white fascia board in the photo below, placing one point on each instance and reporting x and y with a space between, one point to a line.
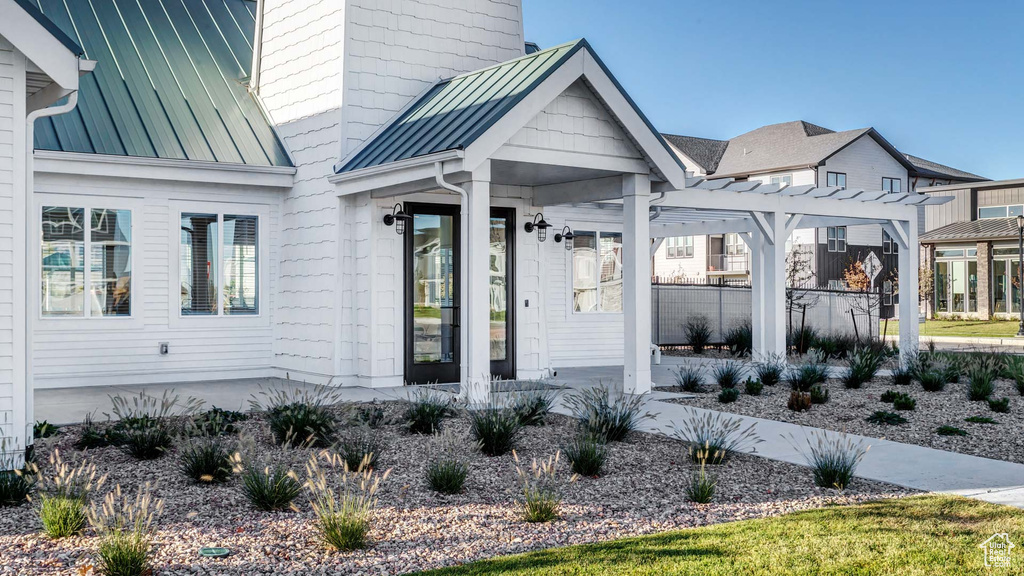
753 201
396 173
571 159
38 45
162 169
703 228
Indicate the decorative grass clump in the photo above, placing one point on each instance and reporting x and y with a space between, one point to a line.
902 376
270 488
217 422
863 365
15 484
360 445
586 455
606 415
495 428
801 340
1014 370
981 386
93 435
806 375
980 420
819 394
770 369
799 401
946 430
540 499
932 380
728 395
889 395
372 415
833 458
740 339
145 426
698 333
63 494
299 416
701 487
753 387
43 429
125 526
426 409
448 463
1002 405
691 378
886 418
343 503
715 436
206 460
727 375
904 402
533 406
838 346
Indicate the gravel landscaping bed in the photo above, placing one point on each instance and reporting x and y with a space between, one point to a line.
641 492
846 410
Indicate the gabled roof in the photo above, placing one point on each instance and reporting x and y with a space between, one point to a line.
983 229
704 151
171 82
931 169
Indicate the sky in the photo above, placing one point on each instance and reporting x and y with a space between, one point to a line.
941 80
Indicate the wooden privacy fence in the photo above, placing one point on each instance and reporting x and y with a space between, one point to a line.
727 306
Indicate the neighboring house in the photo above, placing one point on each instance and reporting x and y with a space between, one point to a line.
970 245
799 153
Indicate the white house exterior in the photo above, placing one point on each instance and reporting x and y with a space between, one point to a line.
221 197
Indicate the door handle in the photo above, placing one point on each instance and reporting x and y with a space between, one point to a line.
456 317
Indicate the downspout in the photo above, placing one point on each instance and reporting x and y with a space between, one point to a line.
463 257
30 248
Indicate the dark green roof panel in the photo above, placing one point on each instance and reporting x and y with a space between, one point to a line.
170 82
455 112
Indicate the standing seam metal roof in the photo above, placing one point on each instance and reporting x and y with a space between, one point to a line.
52 28
170 82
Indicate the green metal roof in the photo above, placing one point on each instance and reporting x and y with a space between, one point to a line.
170 82
52 28
453 113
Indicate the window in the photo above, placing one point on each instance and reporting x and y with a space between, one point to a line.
1011 211
887 293
597 272
892 185
836 238
219 277
786 179
75 240
889 245
679 247
837 179
734 244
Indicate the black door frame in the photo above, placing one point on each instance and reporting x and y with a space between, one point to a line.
432 373
506 369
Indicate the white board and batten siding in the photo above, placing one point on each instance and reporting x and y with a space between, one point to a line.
14 426
125 350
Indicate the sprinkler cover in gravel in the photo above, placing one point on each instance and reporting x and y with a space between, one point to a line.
214 552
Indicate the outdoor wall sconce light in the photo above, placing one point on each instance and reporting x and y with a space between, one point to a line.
567 235
540 225
397 217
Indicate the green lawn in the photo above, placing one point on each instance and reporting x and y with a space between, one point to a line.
919 535
964 328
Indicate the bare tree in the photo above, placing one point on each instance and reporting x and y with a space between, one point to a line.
857 280
799 282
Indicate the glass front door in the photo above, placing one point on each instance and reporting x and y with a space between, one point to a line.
501 292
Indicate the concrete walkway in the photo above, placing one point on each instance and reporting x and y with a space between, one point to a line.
906 465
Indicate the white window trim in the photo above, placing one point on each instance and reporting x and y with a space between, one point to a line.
87 321
178 320
892 180
845 240
678 242
838 174
597 228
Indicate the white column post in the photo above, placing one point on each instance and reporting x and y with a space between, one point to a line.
636 284
775 284
755 243
476 308
908 288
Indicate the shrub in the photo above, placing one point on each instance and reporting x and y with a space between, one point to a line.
586 455
806 375
144 427
63 493
1002 405
946 430
533 406
728 395
863 367
448 462
698 333
770 369
206 460
801 340
980 420
715 435
833 458
43 429
982 384
541 498
93 435
495 428
753 387
372 415
270 487
701 487
605 415
727 375
819 394
15 485
799 401
426 409
889 396
216 422
886 418
690 378
740 339
902 375
904 402
932 380
299 416
343 510
125 526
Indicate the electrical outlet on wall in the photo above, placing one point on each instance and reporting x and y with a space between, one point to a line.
165 348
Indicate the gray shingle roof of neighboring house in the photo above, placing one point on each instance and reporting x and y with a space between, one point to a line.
704 151
985 229
935 170
170 82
